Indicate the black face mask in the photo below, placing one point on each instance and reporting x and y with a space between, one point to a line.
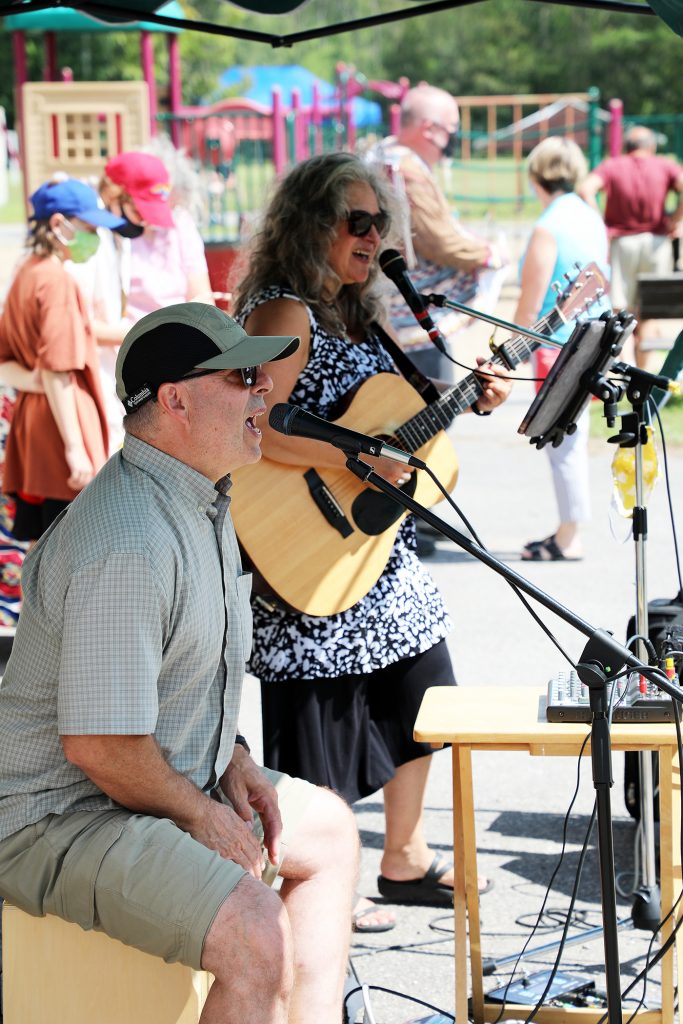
449 148
129 230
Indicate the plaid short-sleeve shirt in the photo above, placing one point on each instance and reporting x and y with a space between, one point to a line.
135 621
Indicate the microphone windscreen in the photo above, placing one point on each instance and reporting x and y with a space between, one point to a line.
391 260
280 415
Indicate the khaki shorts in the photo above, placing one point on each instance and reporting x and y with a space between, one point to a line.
631 255
139 879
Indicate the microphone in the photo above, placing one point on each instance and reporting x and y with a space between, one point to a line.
291 420
395 268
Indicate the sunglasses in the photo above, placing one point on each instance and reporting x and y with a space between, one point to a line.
248 374
360 222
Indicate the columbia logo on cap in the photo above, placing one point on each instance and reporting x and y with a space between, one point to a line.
143 394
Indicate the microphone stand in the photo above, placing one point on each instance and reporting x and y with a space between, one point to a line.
601 658
646 908
526 332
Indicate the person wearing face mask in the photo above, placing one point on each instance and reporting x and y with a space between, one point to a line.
167 261
443 257
58 435
154 259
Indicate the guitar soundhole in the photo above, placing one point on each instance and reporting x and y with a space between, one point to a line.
374 512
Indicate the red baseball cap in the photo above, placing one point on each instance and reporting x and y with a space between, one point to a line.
147 182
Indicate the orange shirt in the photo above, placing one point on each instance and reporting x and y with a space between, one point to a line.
45 325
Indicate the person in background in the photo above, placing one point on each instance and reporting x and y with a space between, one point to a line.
167 261
154 259
442 255
128 800
637 185
567 232
58 435
340 693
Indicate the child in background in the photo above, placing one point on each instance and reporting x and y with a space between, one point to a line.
58 436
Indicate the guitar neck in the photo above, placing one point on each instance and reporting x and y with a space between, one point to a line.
440 414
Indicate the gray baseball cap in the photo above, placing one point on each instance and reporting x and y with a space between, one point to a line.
171 342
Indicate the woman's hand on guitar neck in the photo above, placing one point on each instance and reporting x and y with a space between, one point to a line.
496 383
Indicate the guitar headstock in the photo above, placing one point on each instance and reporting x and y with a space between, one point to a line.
581 292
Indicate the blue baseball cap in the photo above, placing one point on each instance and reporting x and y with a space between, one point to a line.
72 198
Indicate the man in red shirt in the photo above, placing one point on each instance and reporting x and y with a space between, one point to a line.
637 185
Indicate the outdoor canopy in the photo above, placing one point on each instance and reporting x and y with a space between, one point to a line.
135 10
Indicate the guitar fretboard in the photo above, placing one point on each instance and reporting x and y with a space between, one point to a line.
439 414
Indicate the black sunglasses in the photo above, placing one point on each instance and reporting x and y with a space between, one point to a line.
360 222
248 373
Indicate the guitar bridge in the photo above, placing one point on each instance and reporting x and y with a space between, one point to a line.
327 503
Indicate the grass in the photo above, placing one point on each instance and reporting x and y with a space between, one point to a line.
13 211
671 416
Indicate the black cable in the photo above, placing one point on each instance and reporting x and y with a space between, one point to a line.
555 918
401 995
667 482
535 616
572 900
577 880
666 946
650 647
486 373
565 826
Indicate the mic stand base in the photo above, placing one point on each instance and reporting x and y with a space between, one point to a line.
647 908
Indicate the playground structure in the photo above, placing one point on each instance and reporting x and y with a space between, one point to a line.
238 146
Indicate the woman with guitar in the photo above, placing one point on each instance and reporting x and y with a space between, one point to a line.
341 692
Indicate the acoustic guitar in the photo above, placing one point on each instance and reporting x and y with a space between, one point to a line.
321 539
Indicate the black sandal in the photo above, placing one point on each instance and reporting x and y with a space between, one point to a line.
428 890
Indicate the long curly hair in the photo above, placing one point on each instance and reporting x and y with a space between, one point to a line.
293 244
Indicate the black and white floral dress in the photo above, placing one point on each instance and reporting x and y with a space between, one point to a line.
403 614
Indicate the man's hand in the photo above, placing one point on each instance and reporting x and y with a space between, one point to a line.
248 790
222 830
496 383
134 773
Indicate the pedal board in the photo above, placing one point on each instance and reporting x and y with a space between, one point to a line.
568 701
529 990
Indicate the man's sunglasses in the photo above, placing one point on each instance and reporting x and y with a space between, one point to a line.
360 222
248 374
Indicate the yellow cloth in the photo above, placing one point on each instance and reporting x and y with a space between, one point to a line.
624 475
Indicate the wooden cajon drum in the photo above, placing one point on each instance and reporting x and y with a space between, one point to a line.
56 973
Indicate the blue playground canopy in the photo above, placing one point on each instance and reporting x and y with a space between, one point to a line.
260 79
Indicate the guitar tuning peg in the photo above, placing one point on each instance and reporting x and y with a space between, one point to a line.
577 265
556 287
567 276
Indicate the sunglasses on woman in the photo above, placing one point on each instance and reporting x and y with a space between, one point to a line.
360 222
248 374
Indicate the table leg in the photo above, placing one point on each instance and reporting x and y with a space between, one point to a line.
669 869
461 773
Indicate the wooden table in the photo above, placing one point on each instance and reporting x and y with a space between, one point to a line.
513 718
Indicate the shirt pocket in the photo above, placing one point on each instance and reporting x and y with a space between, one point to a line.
244 581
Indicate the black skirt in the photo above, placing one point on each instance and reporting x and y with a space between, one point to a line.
352 732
